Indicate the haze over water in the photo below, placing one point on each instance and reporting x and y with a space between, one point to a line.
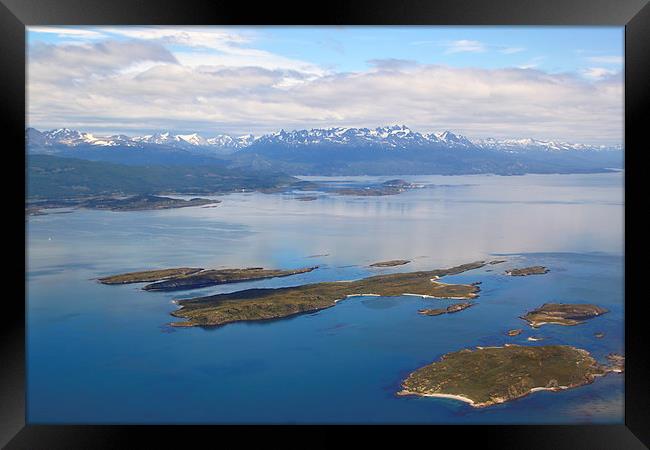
103 354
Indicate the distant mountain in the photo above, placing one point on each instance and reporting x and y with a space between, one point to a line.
387 150
52 177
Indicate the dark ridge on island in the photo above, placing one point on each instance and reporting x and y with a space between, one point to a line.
148 275
391 263
184 278
456 307
525 271
221 276
562 314
492 375
275 303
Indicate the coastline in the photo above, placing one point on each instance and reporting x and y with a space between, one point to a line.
449 396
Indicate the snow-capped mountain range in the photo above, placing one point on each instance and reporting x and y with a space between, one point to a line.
390 137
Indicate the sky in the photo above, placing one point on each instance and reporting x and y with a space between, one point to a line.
554 83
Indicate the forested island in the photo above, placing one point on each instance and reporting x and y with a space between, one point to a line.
491 375
275 303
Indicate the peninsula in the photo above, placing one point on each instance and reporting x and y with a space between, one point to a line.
562 314
193 278
275 303
491 375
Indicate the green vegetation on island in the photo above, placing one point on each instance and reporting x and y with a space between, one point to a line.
221 276
562 314
265 304
391 263
456 307
191 278
148 275
491 375
390 187
534 270
617 362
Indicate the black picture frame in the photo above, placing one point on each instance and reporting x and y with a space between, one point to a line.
16 14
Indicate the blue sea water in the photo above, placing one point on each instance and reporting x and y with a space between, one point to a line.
105 354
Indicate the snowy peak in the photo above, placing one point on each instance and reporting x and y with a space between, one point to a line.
528 144
387 137
390 136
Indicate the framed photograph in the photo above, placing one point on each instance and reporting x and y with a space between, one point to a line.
407 213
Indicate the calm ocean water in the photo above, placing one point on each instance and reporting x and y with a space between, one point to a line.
105 354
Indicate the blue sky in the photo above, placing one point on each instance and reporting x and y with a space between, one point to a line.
289 77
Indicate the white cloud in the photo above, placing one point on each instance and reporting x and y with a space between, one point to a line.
64 32
465 45
598 72
136 85
532 63
511 50
605 59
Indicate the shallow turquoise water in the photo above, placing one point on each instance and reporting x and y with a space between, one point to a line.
104 354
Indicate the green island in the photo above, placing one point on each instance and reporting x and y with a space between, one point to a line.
492 375
525 271
456 307
191 278
275 303
390 187
391 263
562 314
148 275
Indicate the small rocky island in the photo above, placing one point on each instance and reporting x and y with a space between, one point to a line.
456 307
275 303
193 278
515 332
525 271
390 187
497 261
391 263
492 375
562 314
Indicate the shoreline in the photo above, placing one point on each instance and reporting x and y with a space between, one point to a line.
449 396
498 401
